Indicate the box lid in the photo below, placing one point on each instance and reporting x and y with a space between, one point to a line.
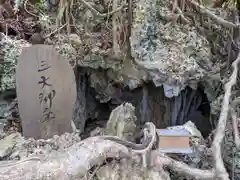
171 132
176 150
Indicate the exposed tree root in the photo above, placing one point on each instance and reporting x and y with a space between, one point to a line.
235 122
182 168
235 129
220 130
73 163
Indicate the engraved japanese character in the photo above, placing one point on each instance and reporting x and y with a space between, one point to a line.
44 81
47 115
41 97
47 98
43 66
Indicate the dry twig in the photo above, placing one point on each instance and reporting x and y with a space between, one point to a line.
25 8
129 27
55 31
217 19
116 47
102 14
180 13
235 122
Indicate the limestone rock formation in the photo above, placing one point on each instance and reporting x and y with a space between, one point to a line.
122 122
171 54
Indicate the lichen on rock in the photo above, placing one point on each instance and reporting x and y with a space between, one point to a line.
66 46
172 54
15 146
11 50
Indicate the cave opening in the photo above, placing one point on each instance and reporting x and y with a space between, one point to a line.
151 105
193 105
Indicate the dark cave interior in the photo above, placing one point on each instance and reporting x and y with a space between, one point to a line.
151 105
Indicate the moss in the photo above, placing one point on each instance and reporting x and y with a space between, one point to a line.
11 49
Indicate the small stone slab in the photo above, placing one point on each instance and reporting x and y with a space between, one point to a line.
7 144
46 92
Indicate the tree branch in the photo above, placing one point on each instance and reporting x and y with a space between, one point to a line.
159 159
220 130
235 129
235 122
215 18
115 10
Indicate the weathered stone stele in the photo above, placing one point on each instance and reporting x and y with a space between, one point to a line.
46 92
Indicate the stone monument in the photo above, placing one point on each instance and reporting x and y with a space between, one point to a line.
46 92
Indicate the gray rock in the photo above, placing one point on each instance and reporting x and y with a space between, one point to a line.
122 122
7 144
2 124
4 105
169 53
3 108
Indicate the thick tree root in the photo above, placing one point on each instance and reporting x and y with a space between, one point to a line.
71 164
74 162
